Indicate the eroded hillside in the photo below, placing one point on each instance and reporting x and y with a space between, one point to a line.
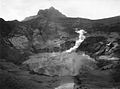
32 52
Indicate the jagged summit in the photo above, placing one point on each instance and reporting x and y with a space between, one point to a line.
51 12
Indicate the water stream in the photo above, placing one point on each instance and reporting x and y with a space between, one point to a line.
68 84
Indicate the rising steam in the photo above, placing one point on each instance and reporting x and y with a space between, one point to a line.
79 41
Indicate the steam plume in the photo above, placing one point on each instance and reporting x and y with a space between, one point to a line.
79 41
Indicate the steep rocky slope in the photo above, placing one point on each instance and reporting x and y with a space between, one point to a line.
34 50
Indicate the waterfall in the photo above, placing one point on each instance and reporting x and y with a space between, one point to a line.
78 60
79 41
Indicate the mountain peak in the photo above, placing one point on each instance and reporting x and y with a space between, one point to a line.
52 8
51 12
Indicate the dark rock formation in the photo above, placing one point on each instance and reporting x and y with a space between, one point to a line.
51 13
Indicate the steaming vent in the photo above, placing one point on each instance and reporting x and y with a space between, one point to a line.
79 41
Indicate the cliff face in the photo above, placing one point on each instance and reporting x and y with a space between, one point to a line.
42 39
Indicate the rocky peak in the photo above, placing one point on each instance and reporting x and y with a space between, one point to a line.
51 12
52 8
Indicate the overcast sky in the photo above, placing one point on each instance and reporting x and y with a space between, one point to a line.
92 9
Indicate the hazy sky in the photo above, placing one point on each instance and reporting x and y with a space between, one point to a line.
92 9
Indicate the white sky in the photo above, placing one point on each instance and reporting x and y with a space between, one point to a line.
92 9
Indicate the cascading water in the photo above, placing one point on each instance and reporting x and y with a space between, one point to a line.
79 41
77 44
